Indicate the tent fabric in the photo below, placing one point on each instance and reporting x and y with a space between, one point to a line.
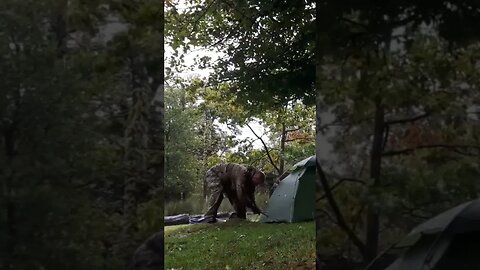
462 218
451 240
308 162
462 254
294 198
424 255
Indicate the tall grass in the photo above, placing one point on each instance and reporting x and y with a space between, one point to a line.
197 205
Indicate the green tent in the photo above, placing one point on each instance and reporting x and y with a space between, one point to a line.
450 240
294 198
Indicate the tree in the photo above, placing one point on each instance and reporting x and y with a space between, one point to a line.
287 124
63 120
48 135
139 52
183 145
290 124
367 81
267 47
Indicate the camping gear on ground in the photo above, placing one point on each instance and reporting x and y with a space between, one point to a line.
205 219
450 240
176 220
293 200
194 219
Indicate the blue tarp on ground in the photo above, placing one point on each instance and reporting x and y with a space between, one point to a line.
193 219
200 219
177 219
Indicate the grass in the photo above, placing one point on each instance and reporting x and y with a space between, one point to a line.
238 244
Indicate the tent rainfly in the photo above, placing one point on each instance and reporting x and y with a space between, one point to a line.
450 240
294 198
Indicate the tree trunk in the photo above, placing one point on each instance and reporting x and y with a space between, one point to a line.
373 224
136 161
281 161
207 137
379 139
8 196
157 137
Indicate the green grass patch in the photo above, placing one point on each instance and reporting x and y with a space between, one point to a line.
238 244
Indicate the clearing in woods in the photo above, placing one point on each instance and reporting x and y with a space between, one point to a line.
238 244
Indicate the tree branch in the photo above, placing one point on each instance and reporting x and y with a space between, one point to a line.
364 26
385 137
338 214
403 21
339 182
292 130
358 218
300 139
354 180
407 120
350 179
431 146
410 211
281 177
327 214
332 188
197 20
266 149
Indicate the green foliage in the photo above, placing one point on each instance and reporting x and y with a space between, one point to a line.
62 119
148 218
195 141
293 116
267 47
182 144
420 74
